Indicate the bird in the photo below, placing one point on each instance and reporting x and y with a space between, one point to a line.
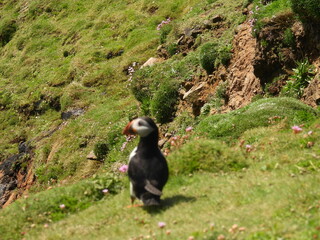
147 168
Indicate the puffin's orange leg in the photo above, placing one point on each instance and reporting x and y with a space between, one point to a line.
134 205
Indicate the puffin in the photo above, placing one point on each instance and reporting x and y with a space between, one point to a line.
147 168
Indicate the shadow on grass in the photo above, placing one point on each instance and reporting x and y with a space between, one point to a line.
168 203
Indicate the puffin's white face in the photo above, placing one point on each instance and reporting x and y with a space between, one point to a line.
138 126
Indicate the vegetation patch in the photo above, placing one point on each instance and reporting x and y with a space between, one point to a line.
55 204
263 112
205 155
307 10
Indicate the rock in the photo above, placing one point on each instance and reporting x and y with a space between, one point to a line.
242 82
71 113
151 61
193 94
311 94
92 156
162 142
217 18
207 24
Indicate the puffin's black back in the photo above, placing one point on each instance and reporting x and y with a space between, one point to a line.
148 164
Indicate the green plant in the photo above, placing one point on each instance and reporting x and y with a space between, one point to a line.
163 103
208 56
308 10
299 80
101 149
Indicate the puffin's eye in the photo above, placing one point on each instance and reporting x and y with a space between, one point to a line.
140 124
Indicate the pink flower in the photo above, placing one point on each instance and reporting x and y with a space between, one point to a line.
296 129
248 148
62 206
161 224
189 129
105 191
123 168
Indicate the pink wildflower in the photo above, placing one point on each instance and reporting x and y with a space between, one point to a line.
161 224
248 148
189 129
62 206
123 168
296 129
105 191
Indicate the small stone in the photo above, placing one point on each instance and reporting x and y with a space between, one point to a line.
92 156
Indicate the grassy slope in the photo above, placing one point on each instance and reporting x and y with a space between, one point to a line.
276 196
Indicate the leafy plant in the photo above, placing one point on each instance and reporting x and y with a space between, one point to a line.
299 80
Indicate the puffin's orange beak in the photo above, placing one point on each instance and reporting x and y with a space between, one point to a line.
128 130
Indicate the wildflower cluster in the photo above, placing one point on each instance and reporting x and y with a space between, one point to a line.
253 20
131 70
296 129
164 22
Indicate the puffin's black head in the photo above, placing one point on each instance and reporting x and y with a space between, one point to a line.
143 126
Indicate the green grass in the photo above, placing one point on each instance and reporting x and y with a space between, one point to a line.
263 112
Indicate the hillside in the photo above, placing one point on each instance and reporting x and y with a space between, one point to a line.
241 76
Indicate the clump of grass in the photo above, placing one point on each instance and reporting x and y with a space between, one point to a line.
101 149
163 103
257 114
208 56
205 155
164 32
212 55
